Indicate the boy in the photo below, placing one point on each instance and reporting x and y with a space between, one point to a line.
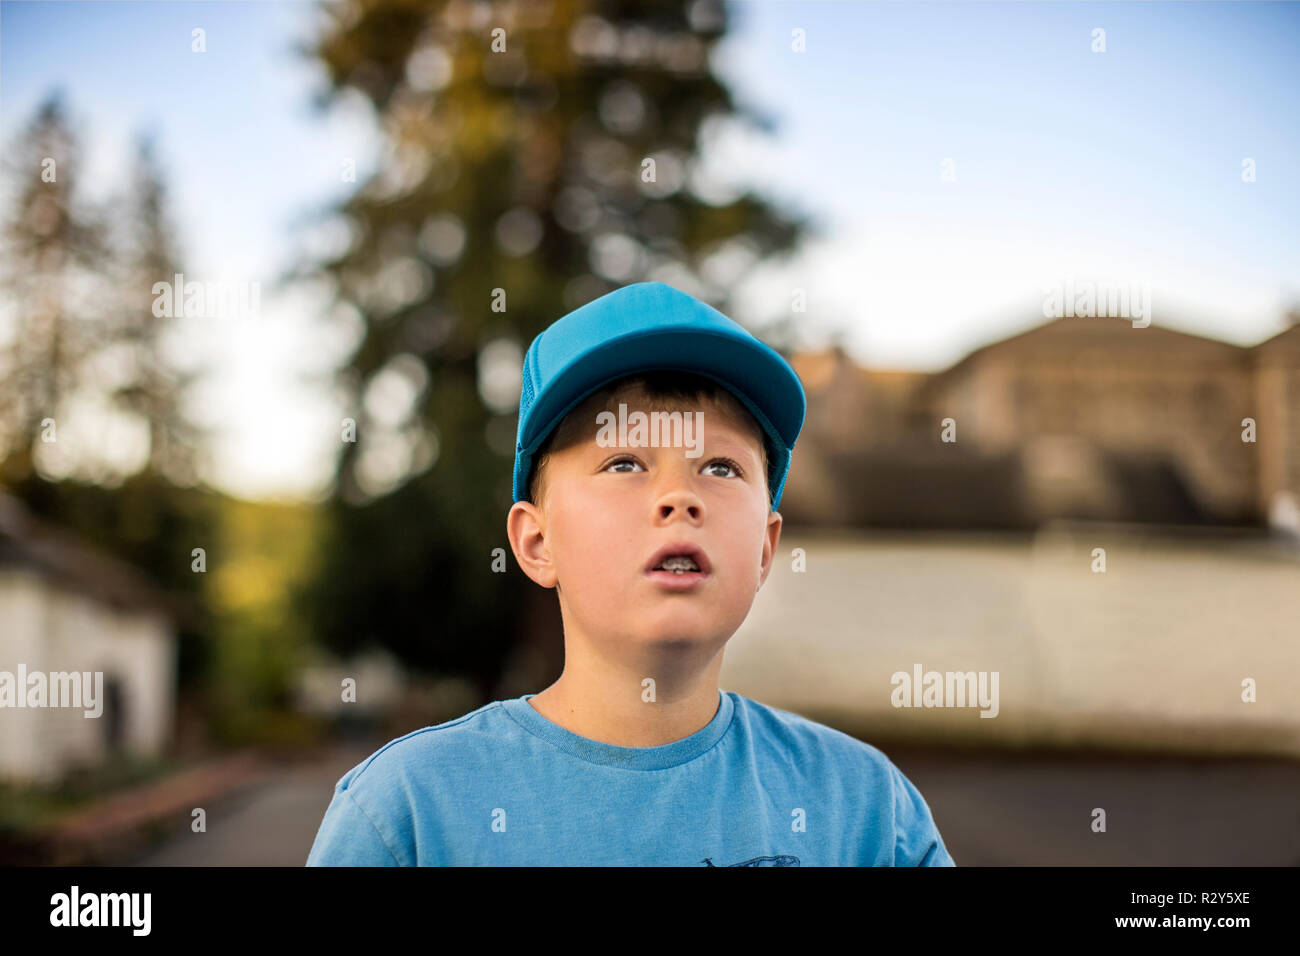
656 540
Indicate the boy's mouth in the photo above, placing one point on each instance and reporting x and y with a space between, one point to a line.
680 554
678 564
679 567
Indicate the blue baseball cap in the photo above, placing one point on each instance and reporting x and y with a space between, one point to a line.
647 326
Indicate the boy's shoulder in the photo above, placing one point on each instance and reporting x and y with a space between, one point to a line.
414 749
796 734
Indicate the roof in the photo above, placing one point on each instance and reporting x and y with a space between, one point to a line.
63 558
1287 341
1154 343
817 369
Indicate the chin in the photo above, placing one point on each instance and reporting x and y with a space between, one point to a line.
687 630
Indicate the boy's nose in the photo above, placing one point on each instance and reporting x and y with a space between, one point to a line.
680 500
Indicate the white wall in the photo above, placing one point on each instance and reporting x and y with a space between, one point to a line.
53 629
22 622
1153 652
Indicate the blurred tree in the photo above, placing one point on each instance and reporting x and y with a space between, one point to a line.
535 156
83 362
54 246
153 385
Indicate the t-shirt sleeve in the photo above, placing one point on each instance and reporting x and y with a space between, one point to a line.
916 838
347 837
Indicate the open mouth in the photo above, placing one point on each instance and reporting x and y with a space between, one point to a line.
680 558
679 564
679 567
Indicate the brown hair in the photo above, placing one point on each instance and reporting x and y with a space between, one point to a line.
670 388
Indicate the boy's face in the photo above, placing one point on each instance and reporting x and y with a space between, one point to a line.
608 509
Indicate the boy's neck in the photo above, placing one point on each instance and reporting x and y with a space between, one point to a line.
614 711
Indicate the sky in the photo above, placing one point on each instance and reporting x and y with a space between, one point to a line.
960 159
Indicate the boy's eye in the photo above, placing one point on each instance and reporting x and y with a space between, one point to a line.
622 461
725 462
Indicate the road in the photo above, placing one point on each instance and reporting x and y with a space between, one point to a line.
998 810
993 809
271 823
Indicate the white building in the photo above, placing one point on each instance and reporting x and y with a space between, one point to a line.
66 609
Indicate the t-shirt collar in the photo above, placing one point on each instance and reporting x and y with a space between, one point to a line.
631 758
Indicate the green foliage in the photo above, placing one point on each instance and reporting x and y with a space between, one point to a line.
514 191
263 553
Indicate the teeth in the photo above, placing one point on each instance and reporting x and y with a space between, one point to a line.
679 564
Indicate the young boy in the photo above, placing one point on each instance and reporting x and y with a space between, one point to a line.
656 532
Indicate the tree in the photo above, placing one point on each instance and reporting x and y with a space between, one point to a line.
535 156
153 386
54 247
81 350
84 352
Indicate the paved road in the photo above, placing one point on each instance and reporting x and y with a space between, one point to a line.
998 810
993 809
272 823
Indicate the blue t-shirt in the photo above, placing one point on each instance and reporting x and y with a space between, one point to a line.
505 786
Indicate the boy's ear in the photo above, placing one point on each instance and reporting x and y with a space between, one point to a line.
526 529
771 536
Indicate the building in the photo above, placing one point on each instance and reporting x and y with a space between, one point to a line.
1086 418
66 609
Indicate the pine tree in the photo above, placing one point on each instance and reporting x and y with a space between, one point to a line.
54 249
536 156
83 339
154 387
78 337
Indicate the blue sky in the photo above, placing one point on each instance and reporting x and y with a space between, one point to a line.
1067 161
1122 166
244 151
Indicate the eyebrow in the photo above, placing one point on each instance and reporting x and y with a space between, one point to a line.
737 438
